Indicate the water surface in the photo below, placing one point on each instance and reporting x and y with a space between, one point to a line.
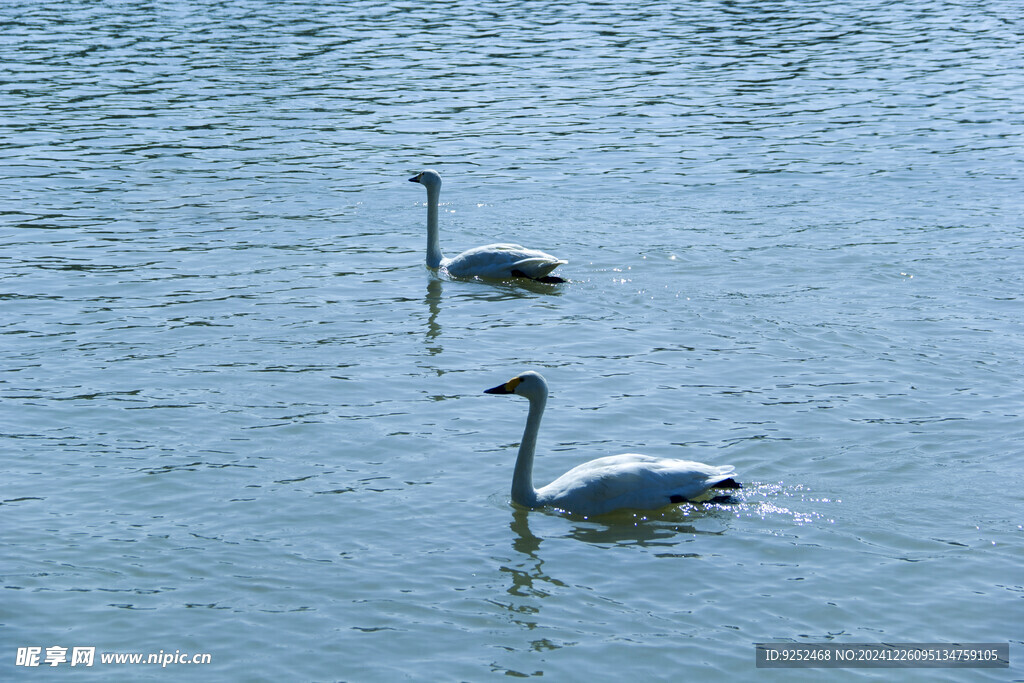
240 417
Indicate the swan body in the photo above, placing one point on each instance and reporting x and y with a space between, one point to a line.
499 261
607 484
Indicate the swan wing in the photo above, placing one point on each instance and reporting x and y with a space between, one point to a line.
631 481
502 261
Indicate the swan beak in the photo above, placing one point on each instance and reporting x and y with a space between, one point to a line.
415 178
508 387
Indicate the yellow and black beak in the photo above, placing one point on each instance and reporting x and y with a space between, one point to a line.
416 178
508 387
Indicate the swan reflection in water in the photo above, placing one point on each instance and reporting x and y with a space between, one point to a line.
433 301
506 290
632 529
530 579
638 528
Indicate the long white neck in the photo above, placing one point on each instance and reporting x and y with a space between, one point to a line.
523 492
433 242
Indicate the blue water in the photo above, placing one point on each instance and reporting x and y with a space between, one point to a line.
239 416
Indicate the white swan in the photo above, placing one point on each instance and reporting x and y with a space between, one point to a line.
629 480
492 261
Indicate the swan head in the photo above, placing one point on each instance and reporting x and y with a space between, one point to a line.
429 178
530 385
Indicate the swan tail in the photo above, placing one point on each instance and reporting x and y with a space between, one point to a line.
722 483
711 494
537 267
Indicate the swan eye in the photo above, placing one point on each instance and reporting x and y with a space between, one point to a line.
511 385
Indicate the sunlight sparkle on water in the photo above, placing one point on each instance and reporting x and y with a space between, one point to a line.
763 501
